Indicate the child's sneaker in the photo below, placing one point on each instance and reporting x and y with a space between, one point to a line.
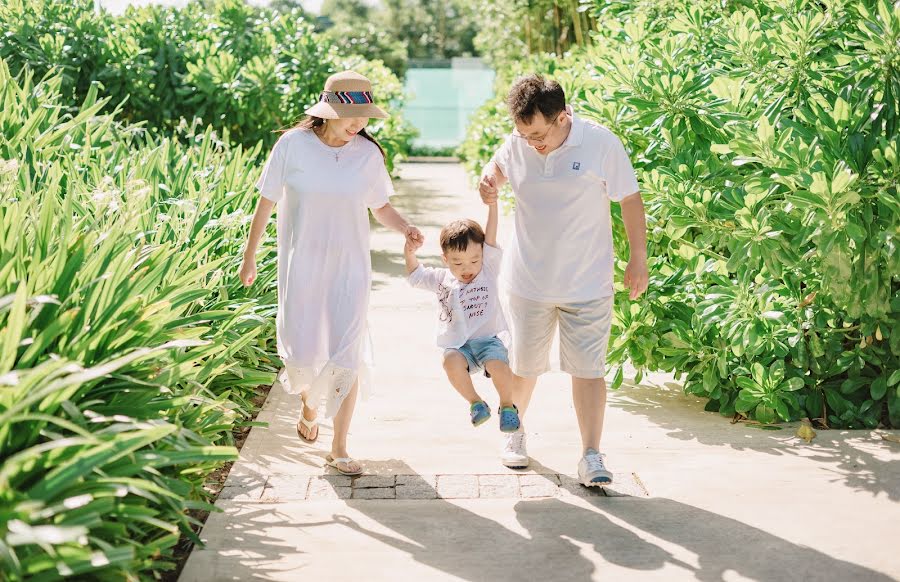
509 418
479 413
592 471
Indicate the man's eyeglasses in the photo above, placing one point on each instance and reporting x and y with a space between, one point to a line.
540 139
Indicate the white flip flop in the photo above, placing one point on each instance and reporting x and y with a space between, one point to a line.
332 462
309 425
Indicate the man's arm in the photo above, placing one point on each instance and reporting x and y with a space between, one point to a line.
490 229
636 275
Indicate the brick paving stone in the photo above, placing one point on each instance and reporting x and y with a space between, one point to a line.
241 493
374 493
286 488
539 485
457 486
416 487
371 481
329 487
498 486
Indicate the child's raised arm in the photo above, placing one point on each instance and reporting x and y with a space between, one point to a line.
490 230
409 253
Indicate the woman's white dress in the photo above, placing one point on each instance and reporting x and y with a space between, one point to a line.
324 267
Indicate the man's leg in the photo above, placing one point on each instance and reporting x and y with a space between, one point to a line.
522 390
532 325
583 336
589 396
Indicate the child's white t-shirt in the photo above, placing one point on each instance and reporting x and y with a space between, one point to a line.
467 310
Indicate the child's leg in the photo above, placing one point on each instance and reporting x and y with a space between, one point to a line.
457 368
502 377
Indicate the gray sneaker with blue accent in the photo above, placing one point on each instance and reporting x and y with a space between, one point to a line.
592 471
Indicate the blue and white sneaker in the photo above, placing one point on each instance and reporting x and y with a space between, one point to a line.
592 471
479 413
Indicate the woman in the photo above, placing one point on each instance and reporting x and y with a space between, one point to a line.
325 174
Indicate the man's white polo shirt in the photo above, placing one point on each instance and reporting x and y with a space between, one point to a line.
561 250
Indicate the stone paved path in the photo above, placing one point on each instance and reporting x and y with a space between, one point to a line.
696 497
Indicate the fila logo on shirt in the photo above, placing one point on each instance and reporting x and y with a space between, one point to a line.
576 165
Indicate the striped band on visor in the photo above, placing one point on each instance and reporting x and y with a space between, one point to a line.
347 97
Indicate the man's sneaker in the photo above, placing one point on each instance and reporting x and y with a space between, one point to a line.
592 471
479 413
509 418
514 454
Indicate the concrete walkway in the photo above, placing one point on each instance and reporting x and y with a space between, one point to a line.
697 498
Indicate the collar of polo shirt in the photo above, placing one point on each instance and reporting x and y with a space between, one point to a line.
576 131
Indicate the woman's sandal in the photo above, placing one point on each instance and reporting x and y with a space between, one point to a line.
309 425
337 462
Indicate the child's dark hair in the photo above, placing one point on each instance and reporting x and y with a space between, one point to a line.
457 235
534 94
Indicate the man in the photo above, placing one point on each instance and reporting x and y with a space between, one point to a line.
558 270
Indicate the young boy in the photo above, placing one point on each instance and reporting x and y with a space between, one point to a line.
470 318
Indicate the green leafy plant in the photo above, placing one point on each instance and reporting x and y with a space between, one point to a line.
765 139
129 350
246 71
766 393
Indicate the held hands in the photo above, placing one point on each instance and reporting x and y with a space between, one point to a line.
487 187
636 277
414 239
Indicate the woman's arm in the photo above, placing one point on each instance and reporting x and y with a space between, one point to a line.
257 228
388 216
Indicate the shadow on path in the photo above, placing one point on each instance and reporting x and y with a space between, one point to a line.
854 458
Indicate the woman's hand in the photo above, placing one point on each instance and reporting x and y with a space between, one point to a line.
248 270
414 237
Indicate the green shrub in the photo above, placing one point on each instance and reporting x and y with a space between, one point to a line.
128 347
765 139
245 70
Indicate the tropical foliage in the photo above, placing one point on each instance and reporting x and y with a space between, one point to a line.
765 138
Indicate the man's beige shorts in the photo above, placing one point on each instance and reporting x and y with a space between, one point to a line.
583 335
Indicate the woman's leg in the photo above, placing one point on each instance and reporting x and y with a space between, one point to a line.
342 427
309 414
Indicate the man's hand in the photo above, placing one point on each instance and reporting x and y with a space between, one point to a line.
488 190
636 277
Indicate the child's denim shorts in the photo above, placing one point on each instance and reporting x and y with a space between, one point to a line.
479 350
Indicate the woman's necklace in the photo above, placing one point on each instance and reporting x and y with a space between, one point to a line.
335 151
